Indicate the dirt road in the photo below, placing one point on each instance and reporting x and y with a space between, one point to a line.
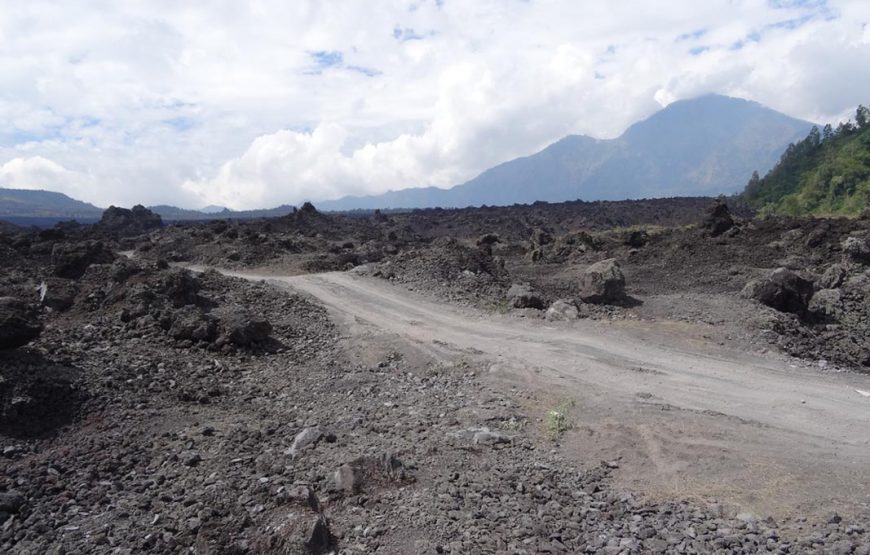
681 417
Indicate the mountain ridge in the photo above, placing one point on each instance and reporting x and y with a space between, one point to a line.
45 208
704 146
708 145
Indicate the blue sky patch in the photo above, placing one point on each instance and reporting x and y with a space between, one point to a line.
786 4
790 23
326 58
692 35
367 71
180 123
753 37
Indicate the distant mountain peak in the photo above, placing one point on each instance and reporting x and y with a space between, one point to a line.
213 209
708 145
39 203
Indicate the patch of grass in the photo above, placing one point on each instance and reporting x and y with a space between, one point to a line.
557 421
502 307
651 229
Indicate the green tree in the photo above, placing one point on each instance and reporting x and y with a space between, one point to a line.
826 173
814 138
862 116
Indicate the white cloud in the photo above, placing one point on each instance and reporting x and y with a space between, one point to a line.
37 173
230 103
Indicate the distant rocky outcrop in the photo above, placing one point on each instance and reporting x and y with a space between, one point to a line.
71 260
134 221
717 219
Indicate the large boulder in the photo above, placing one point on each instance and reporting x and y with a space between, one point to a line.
833 277
71 260
181 287
242 328
33 403
635 238
291 532
18 325
190 323
562 310
857 249
522 296
782 290
541 237
602 282
133 221
11 502
827 303
717 219
57 293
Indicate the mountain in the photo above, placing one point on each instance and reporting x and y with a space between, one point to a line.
827 173
27 207
175 214
213 209
705 146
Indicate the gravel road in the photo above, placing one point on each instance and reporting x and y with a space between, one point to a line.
682 416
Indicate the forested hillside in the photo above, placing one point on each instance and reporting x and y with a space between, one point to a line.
827 173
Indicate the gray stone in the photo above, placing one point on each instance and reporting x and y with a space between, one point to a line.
11 501
191 323
182 287
190 458
352 477
307 437
71 260
782 290
57 293
562 310
130 221
18 325
833 277
522 296
242 328
857 249
827 302
717 219
486 437
602 282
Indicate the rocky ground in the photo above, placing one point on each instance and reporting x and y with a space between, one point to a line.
144 408
694 273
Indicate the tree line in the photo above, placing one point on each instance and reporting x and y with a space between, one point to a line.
827 173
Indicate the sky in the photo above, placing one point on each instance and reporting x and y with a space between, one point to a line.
251 104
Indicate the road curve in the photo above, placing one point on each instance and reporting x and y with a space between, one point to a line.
765 391
810 430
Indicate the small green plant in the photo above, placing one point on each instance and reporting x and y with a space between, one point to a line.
502 307
557 420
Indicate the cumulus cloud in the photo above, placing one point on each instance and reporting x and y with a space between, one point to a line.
37 173
260 103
